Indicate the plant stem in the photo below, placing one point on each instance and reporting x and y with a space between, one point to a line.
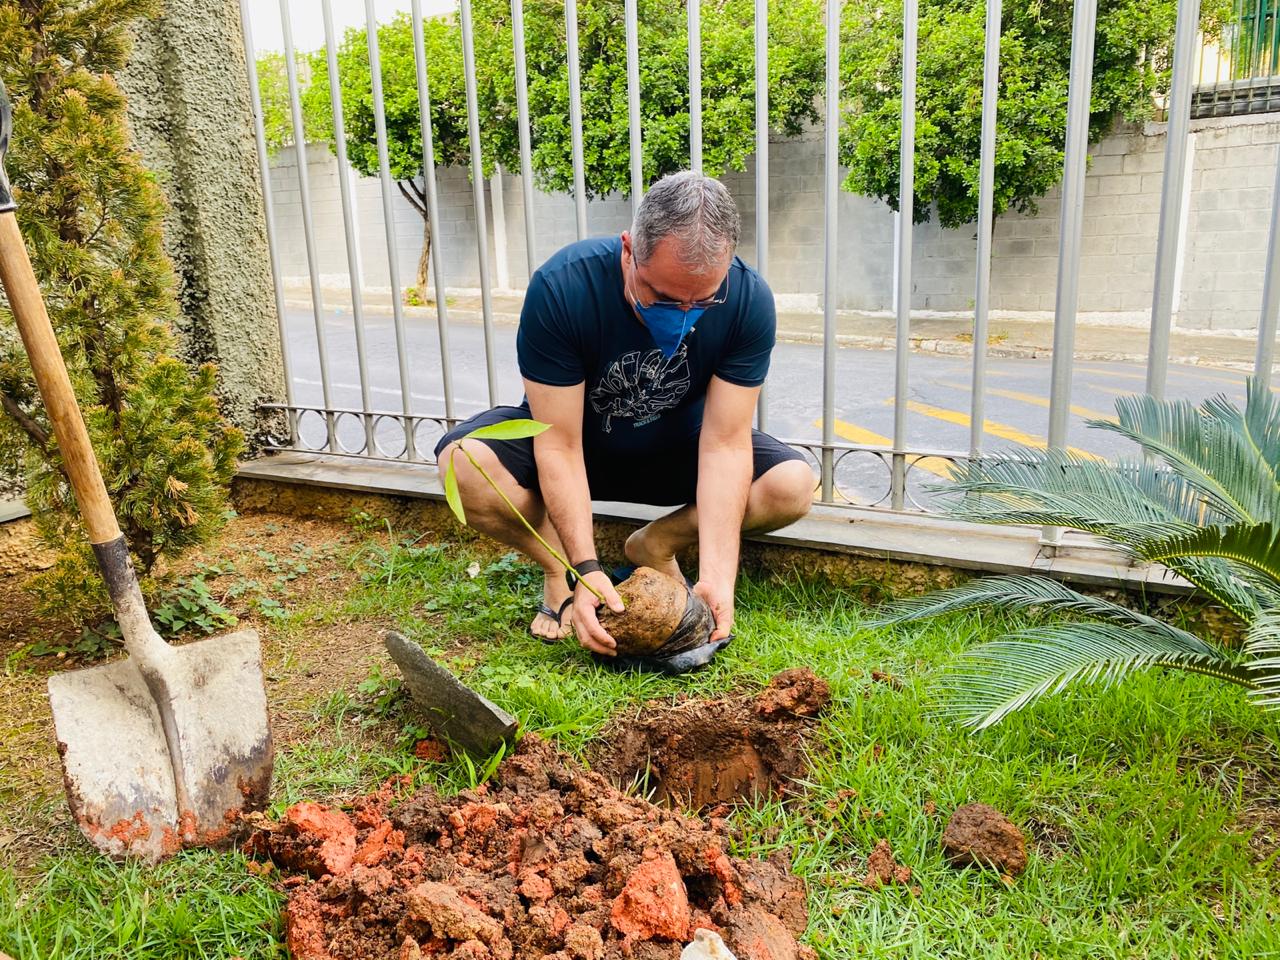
527 525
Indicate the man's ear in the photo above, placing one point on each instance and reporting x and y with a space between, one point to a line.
626 245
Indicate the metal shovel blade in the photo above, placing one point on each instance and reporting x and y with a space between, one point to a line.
454 710
119 773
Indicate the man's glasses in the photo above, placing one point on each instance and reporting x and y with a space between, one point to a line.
720 297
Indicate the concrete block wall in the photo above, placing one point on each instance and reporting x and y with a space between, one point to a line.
1220 280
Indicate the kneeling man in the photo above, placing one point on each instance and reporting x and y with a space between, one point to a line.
645 353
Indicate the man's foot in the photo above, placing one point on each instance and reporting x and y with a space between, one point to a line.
554 620
644 550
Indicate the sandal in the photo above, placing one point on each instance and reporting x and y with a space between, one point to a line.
557 616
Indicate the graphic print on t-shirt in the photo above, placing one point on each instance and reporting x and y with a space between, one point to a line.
641 385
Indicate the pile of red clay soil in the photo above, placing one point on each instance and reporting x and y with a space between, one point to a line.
700 753
547 860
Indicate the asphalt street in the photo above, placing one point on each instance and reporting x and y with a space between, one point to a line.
1017 405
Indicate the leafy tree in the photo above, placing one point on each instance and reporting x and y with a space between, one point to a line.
728 85
1204 501
728 91
92 217
1132 63
273 91
442 43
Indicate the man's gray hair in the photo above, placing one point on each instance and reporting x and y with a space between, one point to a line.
697 211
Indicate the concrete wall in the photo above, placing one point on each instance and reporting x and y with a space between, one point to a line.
1220 279
190 115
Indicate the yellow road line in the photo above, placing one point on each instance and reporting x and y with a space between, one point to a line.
938 466
1218 375
1031 398
1114 391
1004 431
1122 374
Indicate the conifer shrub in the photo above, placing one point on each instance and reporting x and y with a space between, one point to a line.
92 215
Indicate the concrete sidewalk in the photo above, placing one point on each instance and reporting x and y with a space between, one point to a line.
1019 336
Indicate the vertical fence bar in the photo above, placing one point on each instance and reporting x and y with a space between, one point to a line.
832 182
1066 298
762 166
389 227
906 219
308 225
477 194
1264 362
264 172
429 183
348 224
631 17
1255 41
695 85
575 116
526 145
986 207
1169 237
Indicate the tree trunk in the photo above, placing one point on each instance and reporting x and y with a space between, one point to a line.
425 259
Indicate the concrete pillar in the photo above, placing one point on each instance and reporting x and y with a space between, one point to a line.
190 112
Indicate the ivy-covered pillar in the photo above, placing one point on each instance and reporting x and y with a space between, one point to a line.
190 111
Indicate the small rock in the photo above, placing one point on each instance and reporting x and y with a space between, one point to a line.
707 945
980 834
449 916
653 903
320 840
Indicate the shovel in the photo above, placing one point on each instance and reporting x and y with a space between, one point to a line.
163 749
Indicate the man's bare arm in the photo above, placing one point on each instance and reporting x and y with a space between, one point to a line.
562 477
724 481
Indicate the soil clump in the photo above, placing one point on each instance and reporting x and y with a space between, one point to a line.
547 860
883 869
655 605
982 835
699 753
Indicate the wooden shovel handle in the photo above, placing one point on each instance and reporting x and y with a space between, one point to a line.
20 285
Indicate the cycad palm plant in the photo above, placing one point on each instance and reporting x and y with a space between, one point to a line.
1204 501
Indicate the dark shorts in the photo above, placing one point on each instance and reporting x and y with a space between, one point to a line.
666 481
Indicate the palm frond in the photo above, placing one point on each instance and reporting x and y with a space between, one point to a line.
1260 421
995 679
1256 545
1262 646
1221 581
1083 494
1023 592
1213 453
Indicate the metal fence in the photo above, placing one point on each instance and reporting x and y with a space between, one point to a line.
1239 72
409 435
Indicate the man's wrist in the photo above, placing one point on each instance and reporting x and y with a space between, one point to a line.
581 569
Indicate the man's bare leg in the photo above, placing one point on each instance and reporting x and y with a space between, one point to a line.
487 513
782 495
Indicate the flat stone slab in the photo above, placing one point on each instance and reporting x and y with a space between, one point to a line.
455 711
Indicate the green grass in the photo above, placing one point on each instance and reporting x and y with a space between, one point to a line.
1133 796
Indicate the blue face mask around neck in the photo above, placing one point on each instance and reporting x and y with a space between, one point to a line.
668 325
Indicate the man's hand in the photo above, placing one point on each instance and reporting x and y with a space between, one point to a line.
720 600
585 623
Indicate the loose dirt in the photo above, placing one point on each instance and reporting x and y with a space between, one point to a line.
547 860
700 753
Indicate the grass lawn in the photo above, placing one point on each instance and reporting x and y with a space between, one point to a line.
1150 809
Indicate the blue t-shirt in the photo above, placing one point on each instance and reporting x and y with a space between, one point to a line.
576 326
